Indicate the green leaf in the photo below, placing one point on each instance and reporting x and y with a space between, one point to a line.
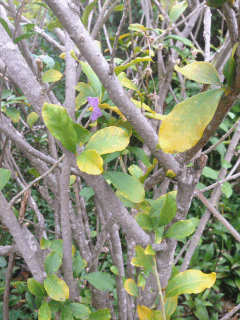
54 24
170 306
13 113
6 27
130 187
120 7
177 10
79 264
142 260
143 178
56 288
66 312
215 3
135 171
6 93
60 125
201 312
227 189
51 76
87 11
35 288
52 262
24 36
190 281
131 287
90 161
32 118
55 306
164 208
202 72
45 243
49 61
119 69
3 262
210 173
83 135
180 229
85 91
44 311
127 83
114 270
183 127
95 82
108 140
141 155
159 232
182 39
141 281
57 245
100 280
144 221
229 70
87 192
80 311
103 314
5 176
174 272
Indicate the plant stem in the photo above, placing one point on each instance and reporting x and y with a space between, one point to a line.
159 287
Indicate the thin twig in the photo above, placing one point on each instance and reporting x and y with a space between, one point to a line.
164 34
79 119
122 22
34 181
1 88
18 16
229 314
234 168
224 137
36 225
233 177
4 148
181 252
7 286
218 215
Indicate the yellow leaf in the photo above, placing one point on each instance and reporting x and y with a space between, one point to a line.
185 124
107 140
190 281
89 161
149 251
62 55
170 174
144 313
51 76
154 115
56 288
131 287
140 105
113 108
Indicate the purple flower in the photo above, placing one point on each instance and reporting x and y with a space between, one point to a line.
96 110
